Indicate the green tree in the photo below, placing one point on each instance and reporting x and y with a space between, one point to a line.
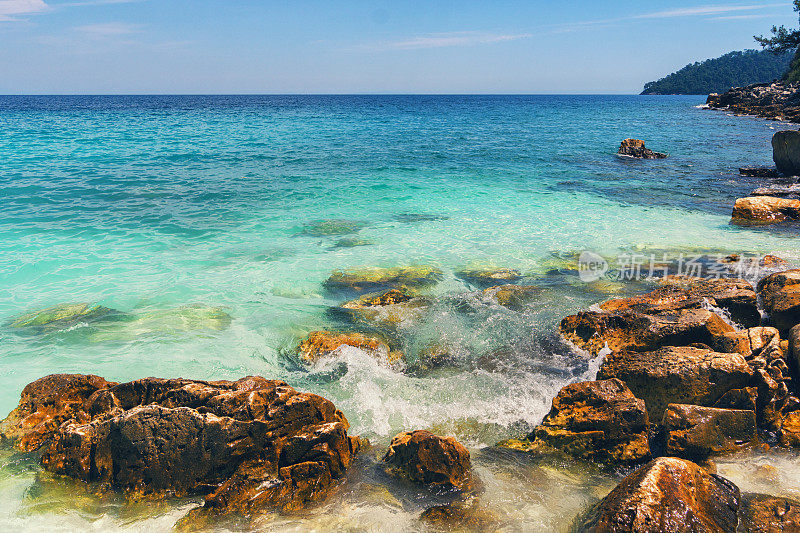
783 39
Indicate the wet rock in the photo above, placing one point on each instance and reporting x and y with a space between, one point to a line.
248 445
779 191
786 152
58 317
597 421
375 278
44 405
790 429
760 513
388 310
667 494
423 457
636 148
489 276
631 330
698 432
320 344
749 342
460 516
760 172
742 399
333 226
513 297
794 350
687 375
764 210
780 294
736 296
773 261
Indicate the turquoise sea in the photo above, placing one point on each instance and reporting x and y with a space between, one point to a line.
174 208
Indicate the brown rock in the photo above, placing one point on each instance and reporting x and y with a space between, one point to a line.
460 516
387 311
489 276
750 342
763 210
635 148
598 421
681 292
667 494
375 278
772 261
790 429
423 457
743 399
697 432
44 405
677 375
631 330
780 294
252 443
321 344
760 513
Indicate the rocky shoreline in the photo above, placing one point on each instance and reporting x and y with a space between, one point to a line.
690 372
773 101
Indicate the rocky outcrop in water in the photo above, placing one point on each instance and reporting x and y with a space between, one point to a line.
598 421
321 344
667 494
759 172
760 513
786 152
780 294
58 317
777 100
635 148
764 210
376 278
422 457
247 445
489 276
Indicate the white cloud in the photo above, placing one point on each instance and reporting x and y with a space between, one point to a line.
108 29
9 9
443 40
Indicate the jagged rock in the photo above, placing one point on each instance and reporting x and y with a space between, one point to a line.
667 494
635 148
780 294
375 278
252 444
763 210
58 317
512 296
423 457
749 342
489 276
319 344
630 330
779 191
594 420
684 374
794 349
742 399
773 261
681 292
760 513
790 429
786 152
388 310
697 432
44 405
760 172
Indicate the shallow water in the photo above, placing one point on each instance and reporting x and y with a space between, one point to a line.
148 204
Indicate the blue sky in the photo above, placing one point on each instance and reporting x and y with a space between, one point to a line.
377 46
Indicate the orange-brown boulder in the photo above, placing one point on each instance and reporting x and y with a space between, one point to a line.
423 457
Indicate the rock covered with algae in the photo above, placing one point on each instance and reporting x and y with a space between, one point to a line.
58 317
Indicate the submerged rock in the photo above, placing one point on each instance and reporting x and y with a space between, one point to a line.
387 311
333 226
684 374
352 242
59 317
375 278
764 210
629 330
423 457
635 148
320 344
513 297
594 420
460 516
489 276
698 432
253 444
410 218
667 494
761 513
